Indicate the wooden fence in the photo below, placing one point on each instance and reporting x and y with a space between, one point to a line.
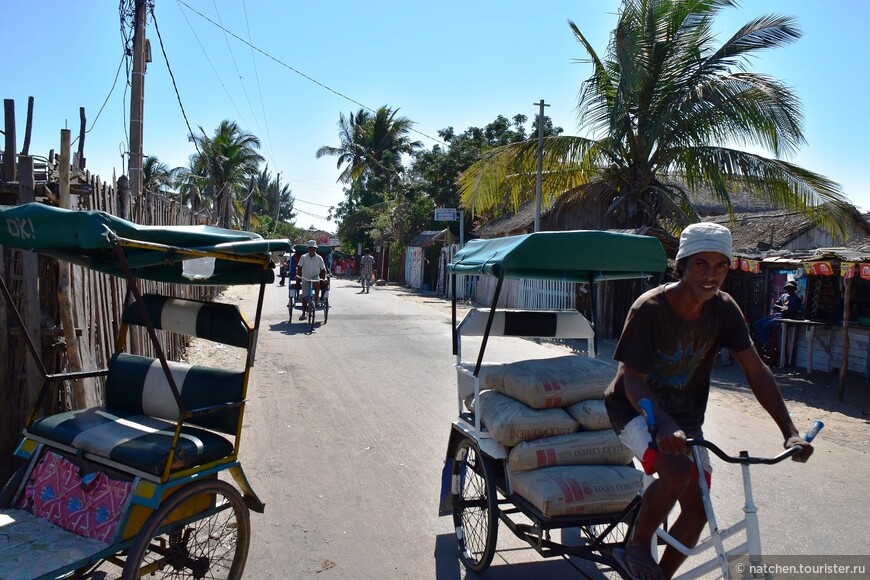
71 313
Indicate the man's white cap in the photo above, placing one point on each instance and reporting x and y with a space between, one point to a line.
705 237
312 244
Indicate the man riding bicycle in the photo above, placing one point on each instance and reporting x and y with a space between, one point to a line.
310 267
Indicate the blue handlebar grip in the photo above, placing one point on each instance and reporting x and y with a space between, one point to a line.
813 431
646 408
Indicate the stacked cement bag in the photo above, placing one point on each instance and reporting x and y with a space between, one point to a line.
564 457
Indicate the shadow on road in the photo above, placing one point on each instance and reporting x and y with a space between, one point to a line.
449 567
296 327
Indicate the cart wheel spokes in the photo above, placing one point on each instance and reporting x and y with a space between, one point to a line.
475 506
201 531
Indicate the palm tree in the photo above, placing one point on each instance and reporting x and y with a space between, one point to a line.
227 161
156 176
192 187
665 107
351 151
370 157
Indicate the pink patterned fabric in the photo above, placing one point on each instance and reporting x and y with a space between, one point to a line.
89 505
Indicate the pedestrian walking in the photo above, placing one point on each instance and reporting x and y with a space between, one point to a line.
367 269
283 269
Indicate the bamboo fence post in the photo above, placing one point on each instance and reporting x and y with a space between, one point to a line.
64 284
9 165
28 127
29 287
82 125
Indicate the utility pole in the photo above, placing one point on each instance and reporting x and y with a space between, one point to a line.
137 101
542 104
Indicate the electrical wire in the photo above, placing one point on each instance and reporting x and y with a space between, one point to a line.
300 73
211 64
259 87
114 82
174 85
239 74
312 203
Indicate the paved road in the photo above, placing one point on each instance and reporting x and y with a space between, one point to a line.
345 437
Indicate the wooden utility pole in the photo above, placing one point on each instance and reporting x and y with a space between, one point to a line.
538 178
137 101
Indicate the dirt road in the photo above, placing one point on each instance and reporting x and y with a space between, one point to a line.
346 429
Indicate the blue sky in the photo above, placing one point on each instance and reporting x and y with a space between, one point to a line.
448 63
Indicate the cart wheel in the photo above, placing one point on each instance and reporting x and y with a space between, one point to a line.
475 506
213 546
7 494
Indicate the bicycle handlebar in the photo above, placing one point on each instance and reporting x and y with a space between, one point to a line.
646 408
744 458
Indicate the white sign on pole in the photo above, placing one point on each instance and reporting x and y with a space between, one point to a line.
445 214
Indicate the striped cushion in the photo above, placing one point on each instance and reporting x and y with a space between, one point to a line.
209 320
137 385
137 441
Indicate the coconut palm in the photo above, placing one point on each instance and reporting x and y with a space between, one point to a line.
193 188
227 161
351 151
666 109
156 176
370 156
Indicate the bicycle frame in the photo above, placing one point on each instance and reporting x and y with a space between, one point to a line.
752 545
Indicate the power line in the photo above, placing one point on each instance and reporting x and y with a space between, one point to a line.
103 106
312 203
259 87
300 73
239 74
172 76
211 64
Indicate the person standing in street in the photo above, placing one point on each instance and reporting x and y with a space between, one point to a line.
310 267
367 269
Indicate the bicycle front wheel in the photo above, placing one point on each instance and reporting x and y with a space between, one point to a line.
201 531
325 310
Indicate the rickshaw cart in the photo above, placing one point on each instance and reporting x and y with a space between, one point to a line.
476 483
135 482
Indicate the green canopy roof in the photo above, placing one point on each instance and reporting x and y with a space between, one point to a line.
88 238
574 256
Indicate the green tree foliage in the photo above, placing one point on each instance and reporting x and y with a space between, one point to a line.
226 162
435 172
370 156
156 176
666 107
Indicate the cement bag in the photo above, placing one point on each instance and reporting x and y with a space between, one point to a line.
553 382
591 415
511 422
579 489
582 448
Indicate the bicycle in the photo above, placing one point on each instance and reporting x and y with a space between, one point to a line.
310 305
751 547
